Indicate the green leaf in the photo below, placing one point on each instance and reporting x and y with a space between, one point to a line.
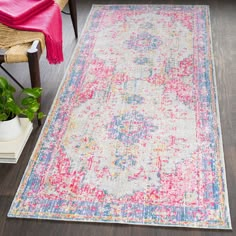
5 86
34 107
3 116
11 89
27 105
3 83
32 92
29 115
28 101
13 108
41 115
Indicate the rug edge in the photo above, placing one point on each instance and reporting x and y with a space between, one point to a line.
119 222
219 121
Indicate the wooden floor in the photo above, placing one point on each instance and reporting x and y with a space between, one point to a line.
223 19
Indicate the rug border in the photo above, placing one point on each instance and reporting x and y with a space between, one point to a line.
166 226
47 124
219 122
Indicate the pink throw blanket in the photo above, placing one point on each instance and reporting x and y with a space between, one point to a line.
36 15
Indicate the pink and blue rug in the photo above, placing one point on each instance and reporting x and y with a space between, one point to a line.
134 133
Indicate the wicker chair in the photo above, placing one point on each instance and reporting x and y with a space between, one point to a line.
24 46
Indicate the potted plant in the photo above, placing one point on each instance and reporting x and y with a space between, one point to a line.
26 105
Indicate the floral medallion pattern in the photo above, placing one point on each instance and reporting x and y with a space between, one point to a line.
133 135
143 42
129 128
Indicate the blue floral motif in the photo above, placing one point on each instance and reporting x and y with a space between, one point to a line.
125 161
130 127
141 60
143 42
147 25
135 99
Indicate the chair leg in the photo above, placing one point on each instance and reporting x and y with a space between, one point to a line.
73 14
33 60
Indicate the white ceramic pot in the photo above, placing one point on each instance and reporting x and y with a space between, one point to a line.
10 129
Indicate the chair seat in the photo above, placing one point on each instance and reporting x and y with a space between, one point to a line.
17 42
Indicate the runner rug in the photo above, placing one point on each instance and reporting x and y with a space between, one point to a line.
133 135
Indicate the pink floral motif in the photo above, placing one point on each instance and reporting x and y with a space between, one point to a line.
100 70
185 19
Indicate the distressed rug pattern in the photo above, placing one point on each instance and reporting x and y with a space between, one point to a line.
134 134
